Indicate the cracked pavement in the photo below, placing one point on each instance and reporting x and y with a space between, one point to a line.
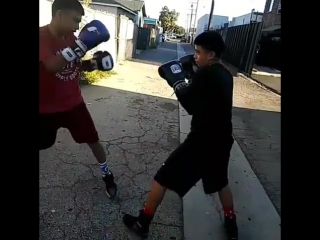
137 120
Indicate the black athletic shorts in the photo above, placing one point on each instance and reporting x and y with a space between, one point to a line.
193 160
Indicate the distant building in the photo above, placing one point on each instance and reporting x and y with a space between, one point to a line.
217 22
134 10
272 14
246 18
150 22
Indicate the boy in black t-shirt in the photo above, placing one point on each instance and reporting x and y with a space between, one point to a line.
206 151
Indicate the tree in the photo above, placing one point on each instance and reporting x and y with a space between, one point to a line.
168 19
179 30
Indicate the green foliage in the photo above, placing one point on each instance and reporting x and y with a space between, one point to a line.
168 19
86 2
88 78
179 30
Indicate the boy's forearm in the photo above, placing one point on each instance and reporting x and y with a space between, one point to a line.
186 100
86 66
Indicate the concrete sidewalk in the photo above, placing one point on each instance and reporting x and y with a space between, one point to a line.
257 216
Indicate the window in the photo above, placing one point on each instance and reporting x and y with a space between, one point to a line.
271 5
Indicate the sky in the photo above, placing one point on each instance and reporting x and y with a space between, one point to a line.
230 8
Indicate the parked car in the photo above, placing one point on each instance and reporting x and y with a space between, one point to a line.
183 40
164 38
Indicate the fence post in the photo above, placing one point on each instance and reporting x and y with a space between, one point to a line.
253 47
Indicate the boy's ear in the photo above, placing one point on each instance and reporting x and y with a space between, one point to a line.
212 55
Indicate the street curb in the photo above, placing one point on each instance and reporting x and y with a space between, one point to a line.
260 84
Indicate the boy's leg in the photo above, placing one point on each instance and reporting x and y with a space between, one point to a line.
216 180
81 126
179 173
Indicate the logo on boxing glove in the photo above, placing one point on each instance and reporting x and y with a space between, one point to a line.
175 68
93 29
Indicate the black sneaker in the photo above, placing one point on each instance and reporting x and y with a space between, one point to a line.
111 187
139 225
230 224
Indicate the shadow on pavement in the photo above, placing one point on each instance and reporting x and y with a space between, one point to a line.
259 134
139 132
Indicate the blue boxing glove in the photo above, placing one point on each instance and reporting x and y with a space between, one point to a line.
91 35
94 33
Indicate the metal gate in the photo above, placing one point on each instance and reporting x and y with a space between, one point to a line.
143 40
241 46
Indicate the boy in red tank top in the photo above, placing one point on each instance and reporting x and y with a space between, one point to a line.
60 102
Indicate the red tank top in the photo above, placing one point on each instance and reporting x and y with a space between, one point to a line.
58 92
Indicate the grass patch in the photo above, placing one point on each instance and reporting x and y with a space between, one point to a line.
88 78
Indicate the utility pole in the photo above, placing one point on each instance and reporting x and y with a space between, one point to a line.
195 22
187 23
211 13
191 17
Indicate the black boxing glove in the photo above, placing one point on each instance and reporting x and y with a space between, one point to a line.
189 65
173 73
103 61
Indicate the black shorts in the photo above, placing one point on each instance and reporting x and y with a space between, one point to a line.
193 160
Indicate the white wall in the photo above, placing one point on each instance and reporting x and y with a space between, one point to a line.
44 12
139 19
245 19
201 25
110 21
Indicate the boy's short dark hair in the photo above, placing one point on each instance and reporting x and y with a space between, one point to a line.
211 41
67 5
